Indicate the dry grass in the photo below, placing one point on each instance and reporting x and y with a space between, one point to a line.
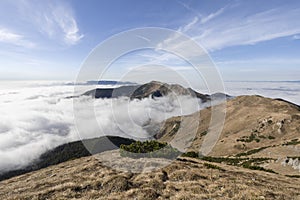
87 178
246 116
252 122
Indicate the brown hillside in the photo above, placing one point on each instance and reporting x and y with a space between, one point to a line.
88 178
252 122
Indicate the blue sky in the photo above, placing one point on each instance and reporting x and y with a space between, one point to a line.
247 40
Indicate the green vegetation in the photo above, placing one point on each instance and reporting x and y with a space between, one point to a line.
190 154
253 151
203 133
211 166
254 137
293 176
262 136
152 149
270 137
229 161
293 157
249 163
292 142
254 162
248 139
254 167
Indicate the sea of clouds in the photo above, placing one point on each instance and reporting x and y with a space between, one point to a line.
288 90
37 116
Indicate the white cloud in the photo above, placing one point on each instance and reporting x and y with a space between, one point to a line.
38 117
266 61
264 26
189 8
187 27
286 90
229 27
296 37
56 19
67 24
212 15
10 37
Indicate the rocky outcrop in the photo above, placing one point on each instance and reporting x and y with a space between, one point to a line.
292 162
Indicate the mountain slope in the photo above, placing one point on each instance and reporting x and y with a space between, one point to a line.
254 126
88 178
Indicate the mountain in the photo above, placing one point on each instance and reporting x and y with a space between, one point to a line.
152 89
111 92
105 82
255 127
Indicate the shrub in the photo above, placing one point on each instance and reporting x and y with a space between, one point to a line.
270 137
211 166
293 176
191 154
150 149
248 139
292 142
253 151
203 133
254 167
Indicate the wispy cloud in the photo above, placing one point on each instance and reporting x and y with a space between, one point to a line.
189 8
10 37
263 26
55 19
296 37
188 26
260 62
176 43
68 25
212 15
228 26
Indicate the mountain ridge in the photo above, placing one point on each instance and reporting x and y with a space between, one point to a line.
152 89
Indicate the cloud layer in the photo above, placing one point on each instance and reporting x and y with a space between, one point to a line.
37 118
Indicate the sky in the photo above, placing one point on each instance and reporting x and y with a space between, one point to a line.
246 40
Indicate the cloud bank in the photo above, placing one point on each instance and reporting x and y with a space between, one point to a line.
38 117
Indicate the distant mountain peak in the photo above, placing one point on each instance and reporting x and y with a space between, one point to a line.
152 89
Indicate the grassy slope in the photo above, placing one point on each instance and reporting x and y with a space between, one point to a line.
187 178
